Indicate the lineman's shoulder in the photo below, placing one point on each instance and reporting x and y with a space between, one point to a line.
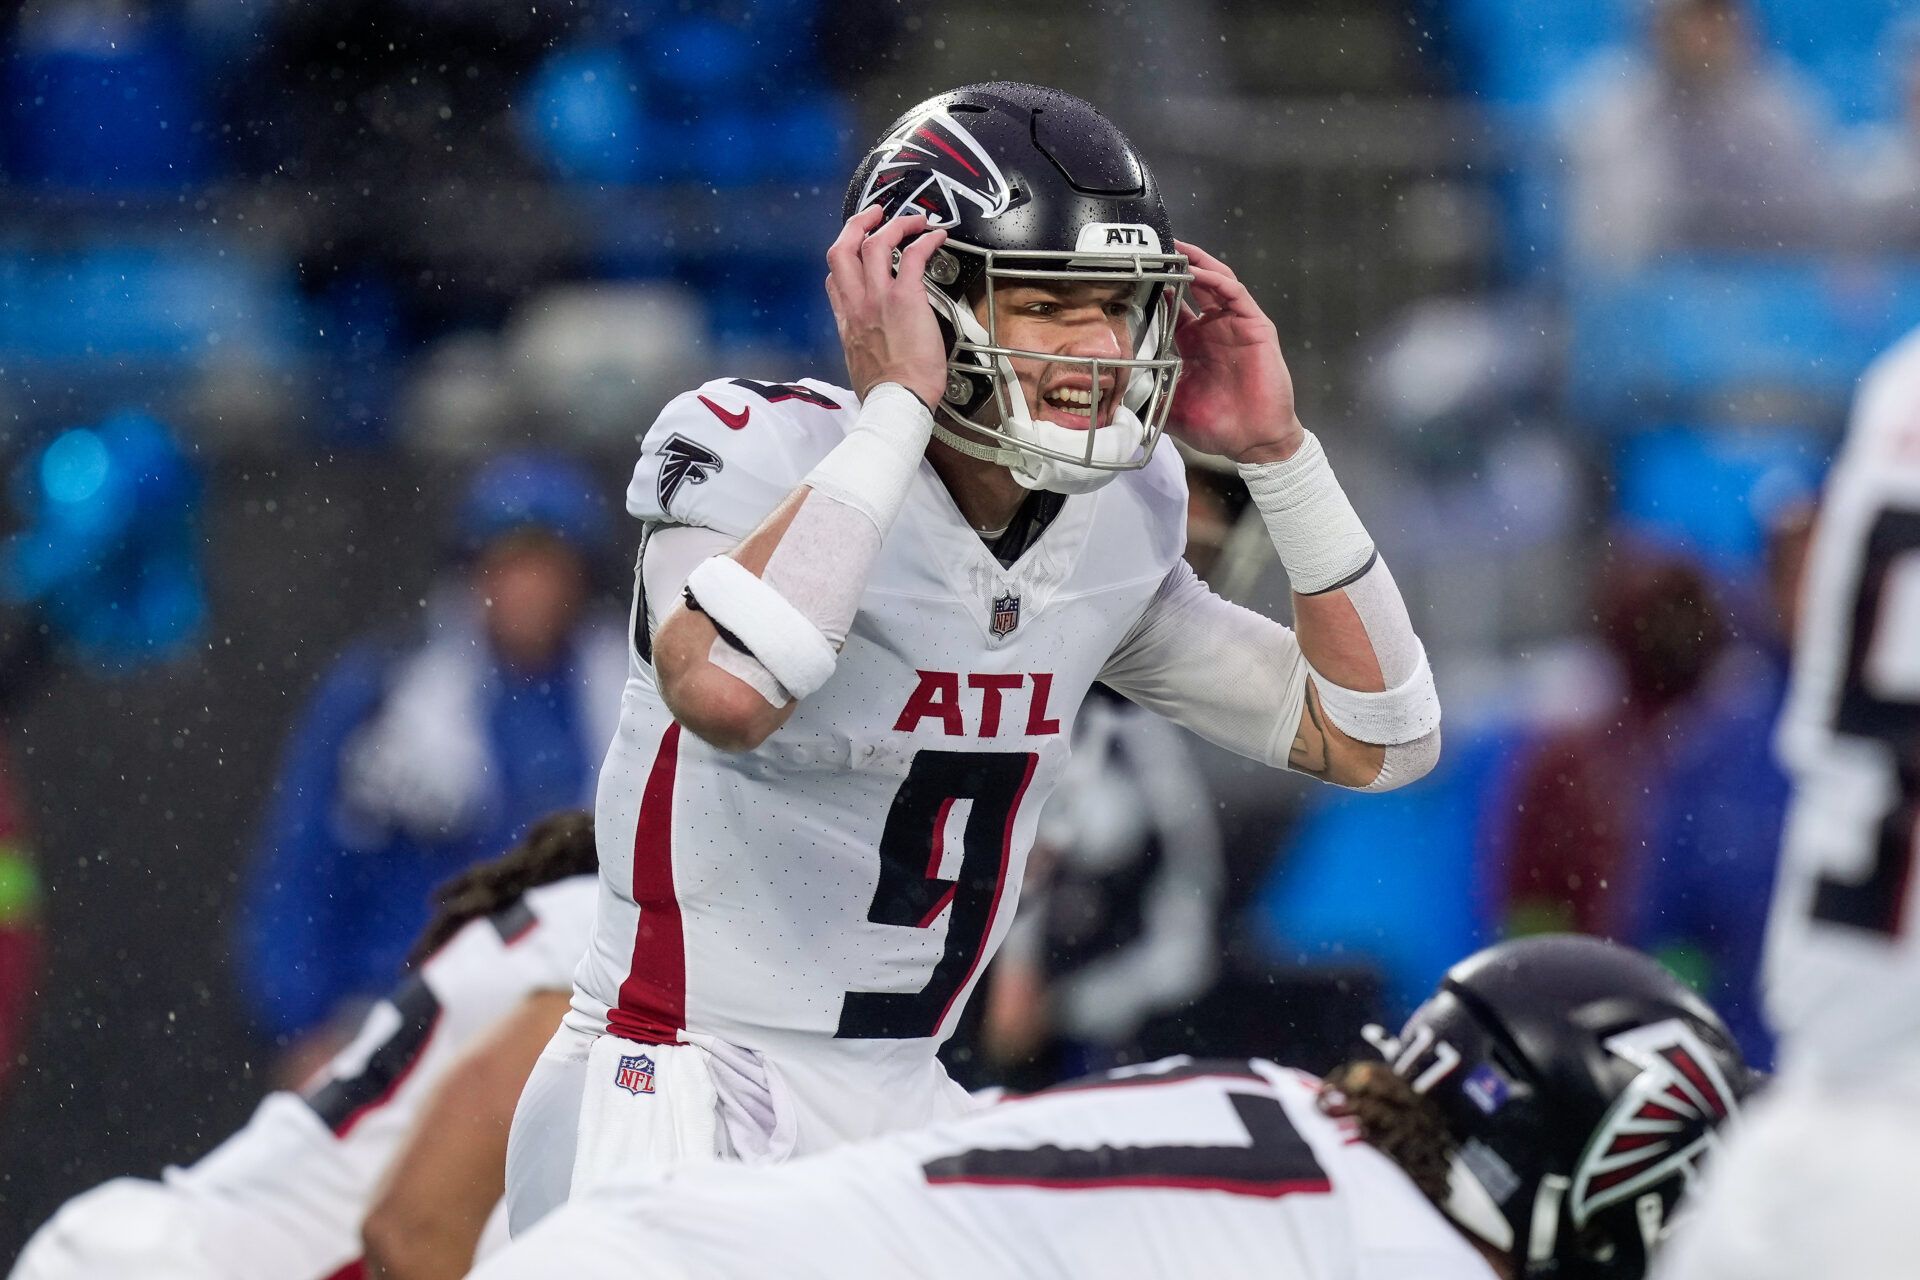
726 453
1885 428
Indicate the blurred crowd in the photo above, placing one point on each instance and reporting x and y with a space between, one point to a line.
496 238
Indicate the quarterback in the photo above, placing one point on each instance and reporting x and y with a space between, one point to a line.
1540 1115
866 618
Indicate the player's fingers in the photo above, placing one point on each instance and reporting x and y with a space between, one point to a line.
913 258
1198 257
843 255
1218 291
848 283
846 245
876 254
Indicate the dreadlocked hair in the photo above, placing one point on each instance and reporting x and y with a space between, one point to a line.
1394 1120
557 846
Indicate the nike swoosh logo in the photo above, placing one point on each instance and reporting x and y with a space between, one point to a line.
733 420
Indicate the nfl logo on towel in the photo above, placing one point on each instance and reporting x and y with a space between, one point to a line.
1006 614
635 1074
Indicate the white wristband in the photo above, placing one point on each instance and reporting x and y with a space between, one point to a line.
779 636
1399 715
872 470
1321 542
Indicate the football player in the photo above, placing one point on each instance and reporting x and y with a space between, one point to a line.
286 1196
866 617
1539 1116
1821 1182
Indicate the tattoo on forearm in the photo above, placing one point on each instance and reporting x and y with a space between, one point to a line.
1310 747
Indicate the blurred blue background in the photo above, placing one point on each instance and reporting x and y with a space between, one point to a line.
1576 291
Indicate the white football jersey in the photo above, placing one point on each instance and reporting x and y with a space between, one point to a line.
1178 1168
1843 954
285 1196
845 884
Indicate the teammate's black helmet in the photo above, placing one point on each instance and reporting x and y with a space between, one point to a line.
1582 1083
1034 184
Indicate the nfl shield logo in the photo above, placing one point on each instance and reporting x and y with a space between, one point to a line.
1006 614
635 1074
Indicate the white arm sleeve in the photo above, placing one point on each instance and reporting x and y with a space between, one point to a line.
1233 676
672 553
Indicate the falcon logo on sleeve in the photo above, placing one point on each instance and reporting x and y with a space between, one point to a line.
682 462
1663 1121
930 165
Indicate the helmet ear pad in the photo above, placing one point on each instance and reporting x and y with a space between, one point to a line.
953 281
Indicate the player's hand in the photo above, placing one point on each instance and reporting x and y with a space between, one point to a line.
887 326
1235 396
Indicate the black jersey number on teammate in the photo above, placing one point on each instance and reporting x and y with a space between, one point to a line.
912 895
342 1101
1876 901
1274 1161
775 392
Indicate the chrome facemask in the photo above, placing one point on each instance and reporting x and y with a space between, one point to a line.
985 411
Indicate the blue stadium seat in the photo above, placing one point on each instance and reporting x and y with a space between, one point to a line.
810 139
1671 338
1837 45
144 306
1405 880
585 118
693 62
1711 490
1520 52
96 114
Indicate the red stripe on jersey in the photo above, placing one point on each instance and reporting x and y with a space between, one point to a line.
1238 1187
933 912
939 840
652 1007
999 889
355 1270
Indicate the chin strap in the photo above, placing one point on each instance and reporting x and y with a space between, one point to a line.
1004 455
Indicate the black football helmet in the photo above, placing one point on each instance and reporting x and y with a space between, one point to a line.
1032 184
1582 1084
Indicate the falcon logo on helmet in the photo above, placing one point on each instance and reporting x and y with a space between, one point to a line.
930 165
1662 1123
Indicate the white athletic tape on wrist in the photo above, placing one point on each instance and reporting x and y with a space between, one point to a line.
872 470
1399 715
1321 542
780 637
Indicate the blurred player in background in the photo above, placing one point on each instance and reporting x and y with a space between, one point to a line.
1540 1115
1822 1183
417 759
285 1197
1120 917
866 620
